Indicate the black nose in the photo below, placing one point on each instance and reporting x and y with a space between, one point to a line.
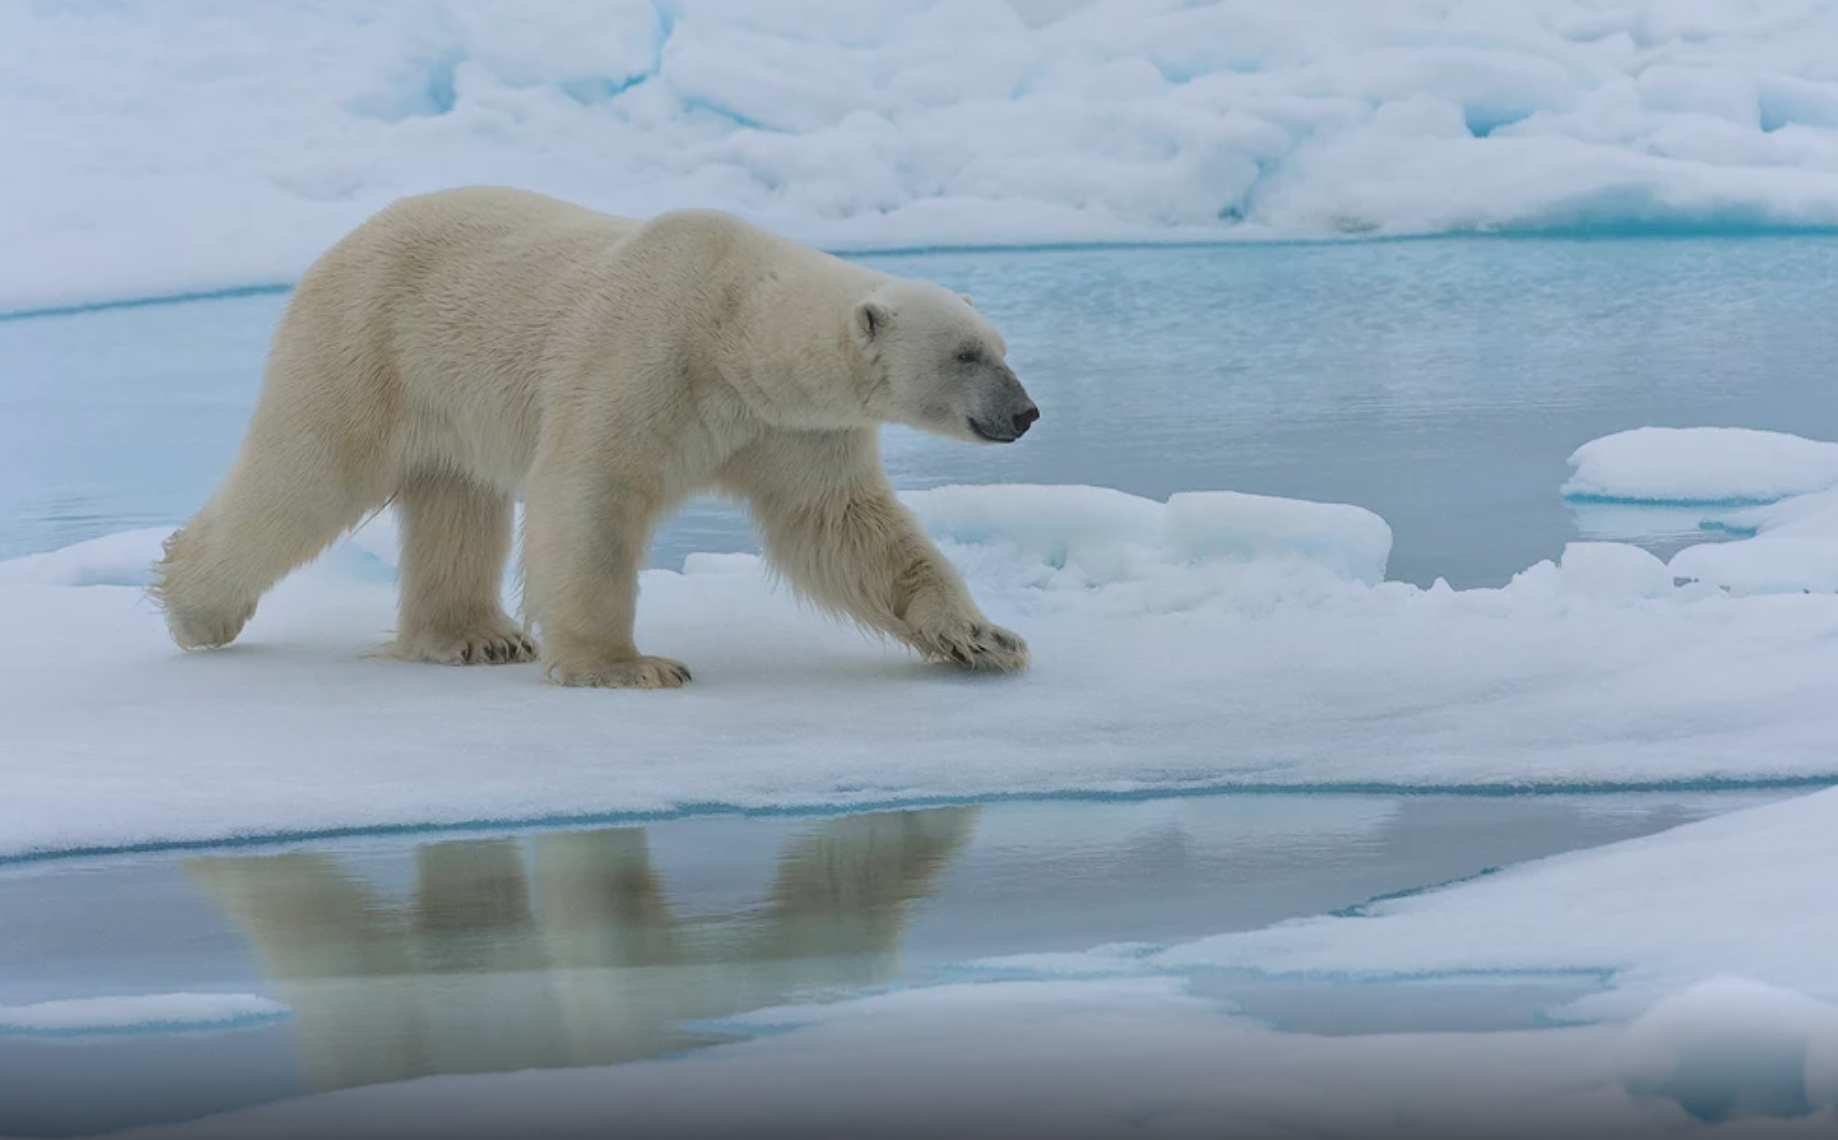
1025 419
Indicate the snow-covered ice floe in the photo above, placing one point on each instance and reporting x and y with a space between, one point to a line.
1217 641
160 148
1700 467
137 1013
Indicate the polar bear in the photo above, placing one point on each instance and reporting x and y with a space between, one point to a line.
466 347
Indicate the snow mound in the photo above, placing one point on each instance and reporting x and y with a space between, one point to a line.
1700 466
1608 572
164 1013
195 146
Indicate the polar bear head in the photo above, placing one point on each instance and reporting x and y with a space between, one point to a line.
935 364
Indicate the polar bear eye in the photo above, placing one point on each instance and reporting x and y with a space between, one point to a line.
968 356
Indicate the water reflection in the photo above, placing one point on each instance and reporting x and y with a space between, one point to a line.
403 959
564 950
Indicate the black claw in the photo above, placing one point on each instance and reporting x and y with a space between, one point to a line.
466 655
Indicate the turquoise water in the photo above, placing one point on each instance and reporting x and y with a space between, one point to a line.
1439 383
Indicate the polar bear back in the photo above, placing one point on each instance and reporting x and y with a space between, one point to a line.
467 317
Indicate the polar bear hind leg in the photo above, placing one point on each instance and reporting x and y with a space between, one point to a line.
456 539
283 503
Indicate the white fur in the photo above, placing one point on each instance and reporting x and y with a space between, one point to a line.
466 347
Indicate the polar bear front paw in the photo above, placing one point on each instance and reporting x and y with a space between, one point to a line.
499 643
636 673
976 645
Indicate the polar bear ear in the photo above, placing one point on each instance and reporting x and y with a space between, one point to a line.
968 299
871 320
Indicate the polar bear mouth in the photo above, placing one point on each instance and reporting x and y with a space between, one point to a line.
988 436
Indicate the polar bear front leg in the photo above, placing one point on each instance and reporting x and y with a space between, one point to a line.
943 623
833 525
585 540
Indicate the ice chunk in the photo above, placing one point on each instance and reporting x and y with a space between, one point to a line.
1349 540
1614 570
1787 537
1109 536
139 1013
1605 573
1094 529
1702 466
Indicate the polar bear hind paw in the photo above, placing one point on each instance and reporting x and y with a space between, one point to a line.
494 645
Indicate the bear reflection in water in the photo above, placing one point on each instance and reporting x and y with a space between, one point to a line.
564 950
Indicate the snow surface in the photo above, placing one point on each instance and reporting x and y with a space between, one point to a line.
1216 641
195 145
136 1013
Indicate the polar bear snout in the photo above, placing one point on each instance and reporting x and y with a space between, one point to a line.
1005 411
996 430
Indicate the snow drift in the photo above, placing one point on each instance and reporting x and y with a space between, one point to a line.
196 145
